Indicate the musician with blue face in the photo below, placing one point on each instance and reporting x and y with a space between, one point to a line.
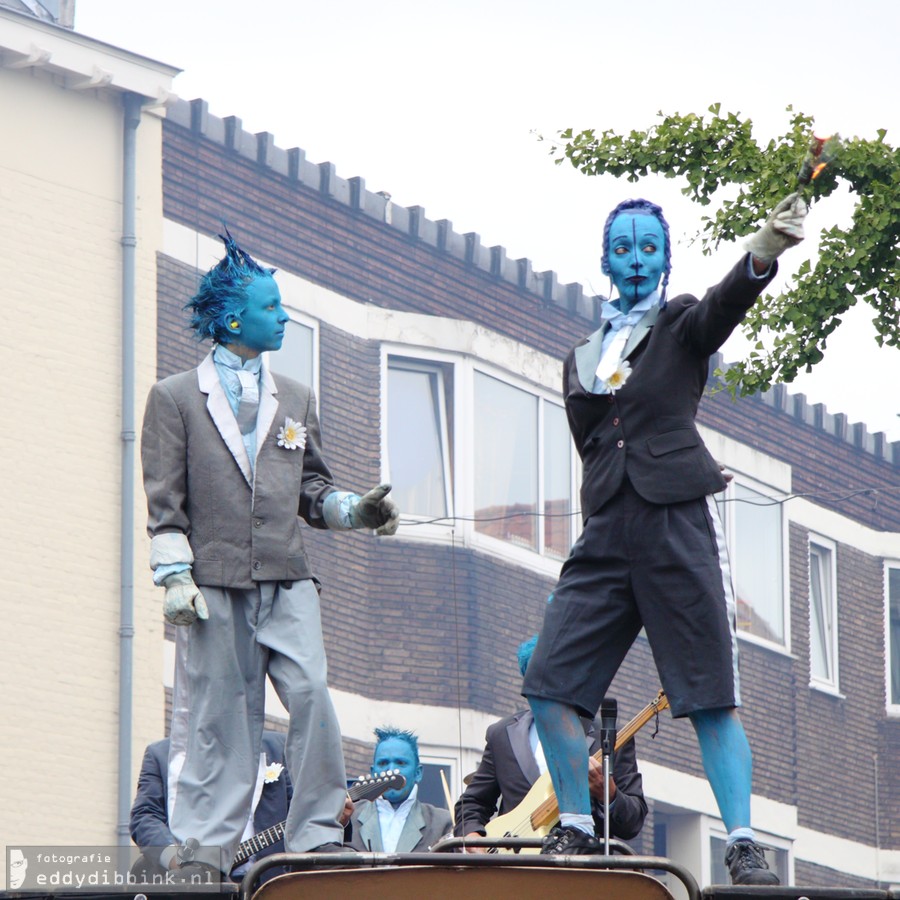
397 822
232 459
652 551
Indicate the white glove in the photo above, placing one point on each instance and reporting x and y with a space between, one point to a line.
184 603
783 229
375 510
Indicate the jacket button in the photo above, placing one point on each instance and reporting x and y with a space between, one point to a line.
257 523
615 421
620 444
610 401
257 564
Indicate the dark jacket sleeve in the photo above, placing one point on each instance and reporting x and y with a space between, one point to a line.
706 325
627 813
149 819
478 802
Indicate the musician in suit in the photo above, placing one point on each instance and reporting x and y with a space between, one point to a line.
513 760
397 822
651 553
149 823
232 457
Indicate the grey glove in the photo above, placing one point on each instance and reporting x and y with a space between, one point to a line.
184 603
375 510
783 229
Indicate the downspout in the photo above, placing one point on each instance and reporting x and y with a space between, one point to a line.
131 104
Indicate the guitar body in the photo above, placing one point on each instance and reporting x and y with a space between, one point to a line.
539 812
521 821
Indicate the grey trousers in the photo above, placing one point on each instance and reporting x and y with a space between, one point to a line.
218 714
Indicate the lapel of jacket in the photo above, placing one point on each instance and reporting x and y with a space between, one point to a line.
587 356
521 746
413 829
640 330
222 416
370 828
268 406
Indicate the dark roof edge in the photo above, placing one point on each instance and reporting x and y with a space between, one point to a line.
411 221
817 416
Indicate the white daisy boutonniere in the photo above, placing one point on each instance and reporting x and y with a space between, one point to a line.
292 435
619 377
273 772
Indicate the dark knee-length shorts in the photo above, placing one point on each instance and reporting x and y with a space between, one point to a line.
663 567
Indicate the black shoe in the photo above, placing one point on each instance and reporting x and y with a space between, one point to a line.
747 864
566 840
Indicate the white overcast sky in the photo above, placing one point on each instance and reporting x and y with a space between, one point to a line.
438 104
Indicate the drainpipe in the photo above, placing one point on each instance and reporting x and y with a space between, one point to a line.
131 104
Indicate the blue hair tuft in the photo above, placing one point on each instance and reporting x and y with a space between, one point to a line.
222 293
388 731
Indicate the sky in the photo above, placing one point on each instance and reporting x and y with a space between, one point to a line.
441 105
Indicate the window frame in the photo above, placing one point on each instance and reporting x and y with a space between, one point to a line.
498 546
462 439
438 367
731 535
829 684
892 709
314 326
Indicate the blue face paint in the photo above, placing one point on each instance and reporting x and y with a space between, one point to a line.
637 256
260 326
396 753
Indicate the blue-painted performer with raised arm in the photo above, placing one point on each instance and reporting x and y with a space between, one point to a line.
232 456
652 552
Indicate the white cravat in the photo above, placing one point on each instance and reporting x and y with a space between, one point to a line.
612 356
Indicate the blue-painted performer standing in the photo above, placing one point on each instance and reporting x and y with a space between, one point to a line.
652 551
232 456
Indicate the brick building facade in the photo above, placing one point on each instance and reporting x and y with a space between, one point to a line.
422 628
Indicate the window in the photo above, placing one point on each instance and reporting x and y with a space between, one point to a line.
506 461
754 531
485 455
822 613
418 437
892 589
523 468
296 356
435 774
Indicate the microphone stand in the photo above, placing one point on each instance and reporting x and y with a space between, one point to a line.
608 713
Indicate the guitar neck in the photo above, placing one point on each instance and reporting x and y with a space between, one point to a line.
367 787
630 729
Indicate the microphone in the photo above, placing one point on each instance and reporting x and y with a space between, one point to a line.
609 709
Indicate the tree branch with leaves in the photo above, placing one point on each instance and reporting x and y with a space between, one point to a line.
857 263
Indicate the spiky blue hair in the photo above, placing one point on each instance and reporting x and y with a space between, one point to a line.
525 651
388 731
638 206
222 294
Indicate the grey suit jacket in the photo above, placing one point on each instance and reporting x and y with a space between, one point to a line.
425 825
241 528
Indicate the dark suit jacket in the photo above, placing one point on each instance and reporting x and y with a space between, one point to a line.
149 814
646 430
425 825
508 769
